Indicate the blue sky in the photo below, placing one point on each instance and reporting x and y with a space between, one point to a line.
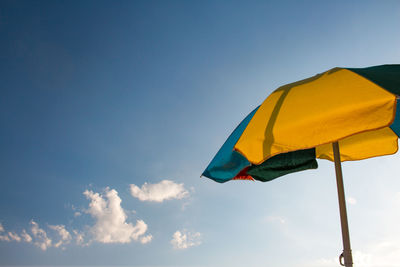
109 101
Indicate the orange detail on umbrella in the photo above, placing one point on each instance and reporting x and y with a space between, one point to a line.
242 175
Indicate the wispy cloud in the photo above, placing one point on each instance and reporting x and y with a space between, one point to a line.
79 238
25 236
12 236
65 236
111 225
146 239
185 239
3 237
41 239
164 190
15 237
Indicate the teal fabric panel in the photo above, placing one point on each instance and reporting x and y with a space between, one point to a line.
386 76
227 163
396 124
283 164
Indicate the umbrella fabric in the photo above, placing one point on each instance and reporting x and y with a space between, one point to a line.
227 163
298 122
331 106
231 165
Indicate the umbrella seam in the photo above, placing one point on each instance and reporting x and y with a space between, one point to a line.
329 142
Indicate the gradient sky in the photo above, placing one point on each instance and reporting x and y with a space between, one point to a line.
100 97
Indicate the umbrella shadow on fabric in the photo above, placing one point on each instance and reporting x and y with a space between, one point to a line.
275 112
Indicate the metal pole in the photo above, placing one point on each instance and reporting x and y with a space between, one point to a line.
346 255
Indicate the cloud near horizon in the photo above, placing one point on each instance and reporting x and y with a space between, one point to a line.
110 221
65 236
110 226
41 239
185 239
164 190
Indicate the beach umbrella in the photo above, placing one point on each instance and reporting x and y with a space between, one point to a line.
343 114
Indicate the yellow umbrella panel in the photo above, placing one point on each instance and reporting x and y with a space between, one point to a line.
339 104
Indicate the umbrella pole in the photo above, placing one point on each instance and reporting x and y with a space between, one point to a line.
346 255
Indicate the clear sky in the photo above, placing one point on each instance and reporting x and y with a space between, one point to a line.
111 110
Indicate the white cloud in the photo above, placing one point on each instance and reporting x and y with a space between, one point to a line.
79 238
146 239
14 236
42 241
111 225
4 238
39 236
65 236
185 239
25 236
164 190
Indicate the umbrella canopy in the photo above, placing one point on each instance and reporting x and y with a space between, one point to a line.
350 108
298 122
